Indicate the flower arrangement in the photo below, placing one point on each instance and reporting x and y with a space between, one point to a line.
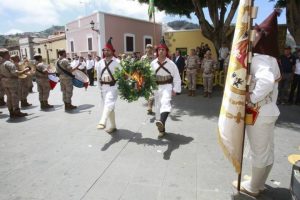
135 80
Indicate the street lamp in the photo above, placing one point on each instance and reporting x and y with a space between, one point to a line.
92 23
47 54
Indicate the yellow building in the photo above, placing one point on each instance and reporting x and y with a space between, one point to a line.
49 47
185 40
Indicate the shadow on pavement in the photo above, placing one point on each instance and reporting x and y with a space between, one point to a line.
198 105
210 108
81 108
289 117
172 140
21 119
2 116
269 194
55 107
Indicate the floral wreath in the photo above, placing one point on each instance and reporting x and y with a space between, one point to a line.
135 79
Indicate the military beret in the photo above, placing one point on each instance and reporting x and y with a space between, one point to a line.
3 51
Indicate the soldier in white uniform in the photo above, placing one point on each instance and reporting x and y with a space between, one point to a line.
169 83
108 86
263 93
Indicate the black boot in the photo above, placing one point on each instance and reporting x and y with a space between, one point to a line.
11 113
69 106
24 103
18 113
2 102
48 105
43 105
161 123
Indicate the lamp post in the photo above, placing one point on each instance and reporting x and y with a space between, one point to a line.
92 23
47 54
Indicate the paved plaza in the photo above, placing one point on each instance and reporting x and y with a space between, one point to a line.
56 155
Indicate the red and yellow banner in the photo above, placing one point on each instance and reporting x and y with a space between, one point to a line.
231 120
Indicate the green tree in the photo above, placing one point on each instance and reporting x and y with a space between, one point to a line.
292 16
221 13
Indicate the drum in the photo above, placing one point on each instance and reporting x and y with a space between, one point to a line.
53 80
81 79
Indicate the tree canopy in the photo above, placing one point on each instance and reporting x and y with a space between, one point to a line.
216 27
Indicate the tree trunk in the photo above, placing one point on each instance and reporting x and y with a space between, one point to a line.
293 19
219 31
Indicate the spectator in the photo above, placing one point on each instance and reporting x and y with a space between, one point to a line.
90 66
223 53
208 67
179 61
287 63
192 66
296 81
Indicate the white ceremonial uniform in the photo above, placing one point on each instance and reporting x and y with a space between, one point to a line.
90 64
74 63
265 74
264 91
109 94
163 94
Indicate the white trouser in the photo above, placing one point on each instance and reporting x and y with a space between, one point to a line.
258 179
108 101
261 140
163 98
109 97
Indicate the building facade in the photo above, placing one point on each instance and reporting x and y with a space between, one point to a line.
185 40
27 46
129 35
49 47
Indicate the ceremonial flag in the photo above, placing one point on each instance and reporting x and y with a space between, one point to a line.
151 9
53 80
231 120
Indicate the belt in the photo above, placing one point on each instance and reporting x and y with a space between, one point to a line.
111 83
169 81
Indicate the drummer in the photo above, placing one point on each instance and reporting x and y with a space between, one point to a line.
65 70
42 81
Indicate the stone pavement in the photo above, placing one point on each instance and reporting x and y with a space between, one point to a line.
56 155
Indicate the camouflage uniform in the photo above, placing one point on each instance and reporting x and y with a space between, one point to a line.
2 102
23 88
208 66
43 85
192 65
9 81
66 83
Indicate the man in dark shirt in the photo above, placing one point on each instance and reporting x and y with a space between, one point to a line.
180 62
287 65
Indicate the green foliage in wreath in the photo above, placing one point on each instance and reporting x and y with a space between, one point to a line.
135 79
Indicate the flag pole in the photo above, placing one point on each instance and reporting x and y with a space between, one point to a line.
249 59
154 29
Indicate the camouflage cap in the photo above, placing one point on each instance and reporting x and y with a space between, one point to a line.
14 56
60 51
37 55
3 51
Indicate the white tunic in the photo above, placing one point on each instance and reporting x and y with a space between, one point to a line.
109 94
163 94
265 72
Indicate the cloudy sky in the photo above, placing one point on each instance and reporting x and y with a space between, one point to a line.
37 15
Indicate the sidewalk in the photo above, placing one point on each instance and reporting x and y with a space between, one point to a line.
62 156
